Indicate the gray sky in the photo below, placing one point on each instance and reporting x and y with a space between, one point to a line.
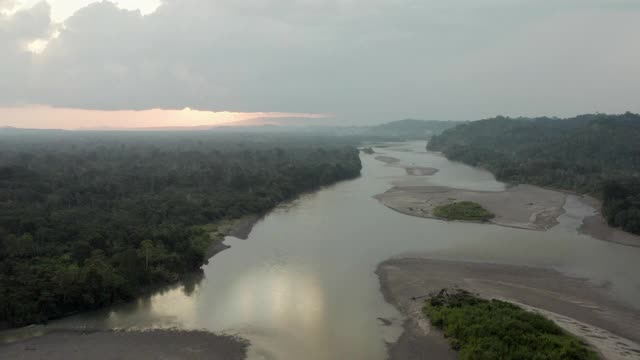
358 60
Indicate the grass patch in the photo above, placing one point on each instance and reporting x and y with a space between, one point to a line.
463 210
491 329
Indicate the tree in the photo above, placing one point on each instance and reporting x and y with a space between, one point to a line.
88 219
146 248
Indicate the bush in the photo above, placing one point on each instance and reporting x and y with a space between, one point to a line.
492 329
463 210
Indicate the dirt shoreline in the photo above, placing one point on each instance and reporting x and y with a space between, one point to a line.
134 345
239 228
596 226
522 206
584 309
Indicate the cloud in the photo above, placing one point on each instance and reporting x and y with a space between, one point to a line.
6 5
43 117
16 31
356 59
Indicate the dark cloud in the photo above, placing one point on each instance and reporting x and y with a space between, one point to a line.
357 59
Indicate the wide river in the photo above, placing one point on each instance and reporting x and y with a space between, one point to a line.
303 285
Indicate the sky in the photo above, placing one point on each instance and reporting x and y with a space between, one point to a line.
344 61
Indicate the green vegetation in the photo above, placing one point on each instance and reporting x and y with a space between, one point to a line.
463 210
597 154
621 203
482 329
89 219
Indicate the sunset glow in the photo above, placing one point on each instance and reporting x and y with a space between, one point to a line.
78 119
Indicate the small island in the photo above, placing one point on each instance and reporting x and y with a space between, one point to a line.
498 306
463 210
420 171
387 159
522 206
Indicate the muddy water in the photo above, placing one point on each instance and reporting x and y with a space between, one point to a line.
302 285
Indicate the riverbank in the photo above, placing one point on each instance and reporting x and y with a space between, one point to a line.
578 306
134 345
75 343
239 228
596 226
522 206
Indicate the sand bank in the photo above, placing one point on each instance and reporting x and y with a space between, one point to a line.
239 228
410 170
584 309
522 206
134 345
387 159
420 171
597 227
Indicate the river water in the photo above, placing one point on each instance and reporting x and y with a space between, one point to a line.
303 284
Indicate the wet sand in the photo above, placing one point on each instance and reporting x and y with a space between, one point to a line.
125 345
410 170
597 227
522 206
387 159
239 228
582 308
420 171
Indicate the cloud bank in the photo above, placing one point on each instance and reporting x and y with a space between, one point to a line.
359 60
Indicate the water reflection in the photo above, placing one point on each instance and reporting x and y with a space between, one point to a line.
166 307
276 297
289 301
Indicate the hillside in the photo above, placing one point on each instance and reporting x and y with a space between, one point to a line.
597 154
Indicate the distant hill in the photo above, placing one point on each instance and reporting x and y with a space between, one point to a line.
13 131
411 129
595 153
408 129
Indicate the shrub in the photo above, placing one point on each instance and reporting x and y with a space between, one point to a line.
492 329
463 210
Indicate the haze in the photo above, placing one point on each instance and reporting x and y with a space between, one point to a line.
319 179
351 61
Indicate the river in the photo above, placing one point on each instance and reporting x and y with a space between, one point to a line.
303 284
